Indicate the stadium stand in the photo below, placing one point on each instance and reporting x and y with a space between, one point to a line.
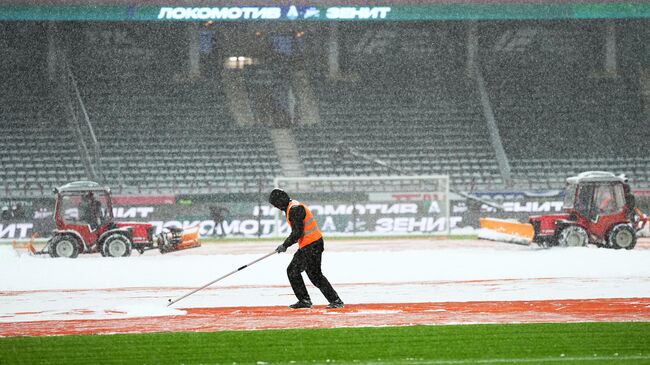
164 136
161 131
558 113
39 150
415 127
420 118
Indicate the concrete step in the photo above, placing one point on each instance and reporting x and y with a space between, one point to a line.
287 152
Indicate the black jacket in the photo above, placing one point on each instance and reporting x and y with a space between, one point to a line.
296 217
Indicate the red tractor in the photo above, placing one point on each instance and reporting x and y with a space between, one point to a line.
599 208
83 214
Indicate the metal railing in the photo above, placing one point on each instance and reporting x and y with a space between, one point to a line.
77 116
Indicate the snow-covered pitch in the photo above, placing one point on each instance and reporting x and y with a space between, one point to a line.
362 271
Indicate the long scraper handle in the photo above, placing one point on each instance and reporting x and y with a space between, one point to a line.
223 277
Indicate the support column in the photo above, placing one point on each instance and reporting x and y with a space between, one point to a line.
333 51
493 129
611 64
472 48
644 83
194 49
51 51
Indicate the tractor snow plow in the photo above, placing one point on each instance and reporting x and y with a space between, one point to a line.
83 214
29 245
599 208
177 239
506 230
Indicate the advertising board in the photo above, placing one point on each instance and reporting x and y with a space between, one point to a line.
477 10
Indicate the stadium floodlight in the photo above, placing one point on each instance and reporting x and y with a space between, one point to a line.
372 205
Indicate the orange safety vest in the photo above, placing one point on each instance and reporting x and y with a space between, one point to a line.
310 231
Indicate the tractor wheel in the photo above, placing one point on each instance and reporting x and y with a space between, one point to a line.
64 246
116 245
572 236
622 236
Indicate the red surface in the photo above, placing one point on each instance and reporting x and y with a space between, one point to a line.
353 315
143 200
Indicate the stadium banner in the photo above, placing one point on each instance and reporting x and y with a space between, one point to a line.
143 199
642 193
221 216
318 12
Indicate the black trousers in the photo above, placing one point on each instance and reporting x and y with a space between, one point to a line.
309 259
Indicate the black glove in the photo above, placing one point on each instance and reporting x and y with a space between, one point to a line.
281 248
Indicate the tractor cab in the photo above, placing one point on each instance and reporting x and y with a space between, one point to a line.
598 208
595 197
84 207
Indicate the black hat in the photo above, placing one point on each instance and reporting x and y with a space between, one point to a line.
279 199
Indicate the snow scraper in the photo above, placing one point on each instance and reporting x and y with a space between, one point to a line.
170 302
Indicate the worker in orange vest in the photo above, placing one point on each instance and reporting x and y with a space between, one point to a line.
304 230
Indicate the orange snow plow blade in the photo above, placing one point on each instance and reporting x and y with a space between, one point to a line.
29 245
177 239
506 230
189 239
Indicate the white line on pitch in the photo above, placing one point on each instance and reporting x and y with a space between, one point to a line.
509 361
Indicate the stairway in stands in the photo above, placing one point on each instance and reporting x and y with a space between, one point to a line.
287 151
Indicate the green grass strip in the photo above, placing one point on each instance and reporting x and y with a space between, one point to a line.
577 343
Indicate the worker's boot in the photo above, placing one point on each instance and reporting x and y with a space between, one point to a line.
335 304
302 303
